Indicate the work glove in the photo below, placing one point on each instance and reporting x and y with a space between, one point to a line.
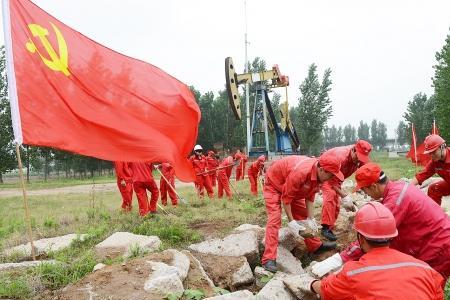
296 228
328 265
311 222
347 203
311 228
305 282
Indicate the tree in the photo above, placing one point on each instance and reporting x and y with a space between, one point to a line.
7 156
335 136
363 131
441 83
401 133
420 112
382 134
314 109
349 134
374 133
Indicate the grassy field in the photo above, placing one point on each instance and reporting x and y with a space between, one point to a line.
61 182
76 213
99 216
56 183
395 168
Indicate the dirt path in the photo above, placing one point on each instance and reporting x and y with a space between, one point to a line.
75 189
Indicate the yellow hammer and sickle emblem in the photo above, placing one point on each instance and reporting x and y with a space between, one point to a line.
56 63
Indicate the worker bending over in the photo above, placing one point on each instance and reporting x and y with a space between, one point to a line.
423 227
440 164
288 179
254 171
381 272
351 157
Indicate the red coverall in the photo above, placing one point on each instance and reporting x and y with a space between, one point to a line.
123 172
240 170
212 163
331 199
253 173
169 173
384 273
440 188
142 181
289 180
202 180
423 227
223 178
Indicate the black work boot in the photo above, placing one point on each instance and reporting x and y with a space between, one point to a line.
326 246
271 266
328 234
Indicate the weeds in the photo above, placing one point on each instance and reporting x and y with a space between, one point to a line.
50 223
171 233
54 276
188 294
15 287
137 251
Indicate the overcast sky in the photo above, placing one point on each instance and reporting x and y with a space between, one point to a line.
381 52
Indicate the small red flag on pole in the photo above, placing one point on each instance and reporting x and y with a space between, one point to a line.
414 138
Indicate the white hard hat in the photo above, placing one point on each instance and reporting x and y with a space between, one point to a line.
198 147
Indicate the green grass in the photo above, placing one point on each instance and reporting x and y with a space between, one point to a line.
395 168
62 182
447 291
54 215
55 183
15 286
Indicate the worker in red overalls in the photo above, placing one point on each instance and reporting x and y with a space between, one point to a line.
125 183
240 169
223 176
167 187
381 272
351 158
423 227
288 181
254 171
440 164
202 180
212 163
143 181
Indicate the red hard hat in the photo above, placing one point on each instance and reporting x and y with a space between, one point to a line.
331 164
375 221
367 175
262 158
363 149
432 143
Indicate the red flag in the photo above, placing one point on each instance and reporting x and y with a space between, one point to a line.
71 93
412 154
416 154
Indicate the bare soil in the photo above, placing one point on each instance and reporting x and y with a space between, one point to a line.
123 281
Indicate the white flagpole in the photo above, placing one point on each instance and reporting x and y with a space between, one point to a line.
15 116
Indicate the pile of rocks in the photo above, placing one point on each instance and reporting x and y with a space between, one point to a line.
229 263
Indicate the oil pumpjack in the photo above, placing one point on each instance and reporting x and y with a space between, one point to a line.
263 119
